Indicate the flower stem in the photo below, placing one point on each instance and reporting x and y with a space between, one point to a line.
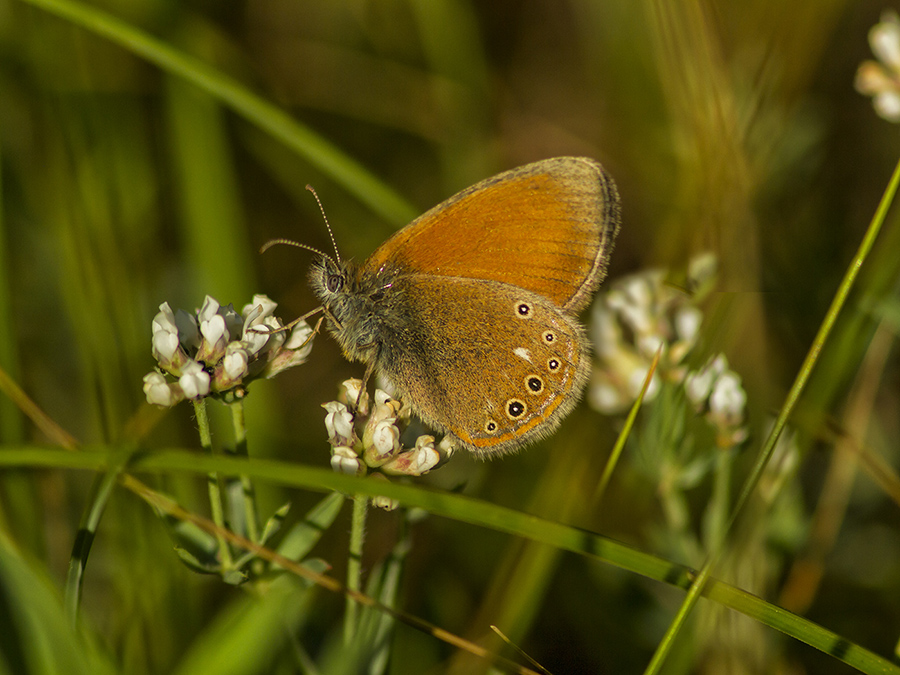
354 563
213 483
251 517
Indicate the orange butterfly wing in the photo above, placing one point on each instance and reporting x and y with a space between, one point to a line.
547 227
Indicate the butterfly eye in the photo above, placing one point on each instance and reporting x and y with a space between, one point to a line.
334 283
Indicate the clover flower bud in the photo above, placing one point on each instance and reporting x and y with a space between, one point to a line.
194 381
344 460
339 424
160 391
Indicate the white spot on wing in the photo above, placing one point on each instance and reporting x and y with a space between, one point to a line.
522 353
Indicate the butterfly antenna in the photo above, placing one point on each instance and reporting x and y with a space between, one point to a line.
290 242
337 254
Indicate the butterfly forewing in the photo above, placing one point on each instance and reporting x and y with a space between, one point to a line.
546 227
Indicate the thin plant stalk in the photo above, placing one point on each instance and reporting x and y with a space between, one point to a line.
248 492
101 491
616 453
354 564
213 483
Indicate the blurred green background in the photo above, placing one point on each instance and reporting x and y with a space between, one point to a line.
729 127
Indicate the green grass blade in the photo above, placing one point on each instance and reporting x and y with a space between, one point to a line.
475 512
87 530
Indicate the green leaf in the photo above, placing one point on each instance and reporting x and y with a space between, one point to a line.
298 542
273 524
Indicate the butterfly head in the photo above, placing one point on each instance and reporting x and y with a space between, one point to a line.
350 307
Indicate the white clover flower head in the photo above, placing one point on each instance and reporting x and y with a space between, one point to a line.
636 380
188 329
614 389
213 332
208 310
381 437
277 334
687 321
605 332
234 322
702 268
380 450
265 335
230 349
884 38
716 391
300 338
294 351
697 386
604 395
386 503
881 79
235 362
650 343
632 302
639 316
687 324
